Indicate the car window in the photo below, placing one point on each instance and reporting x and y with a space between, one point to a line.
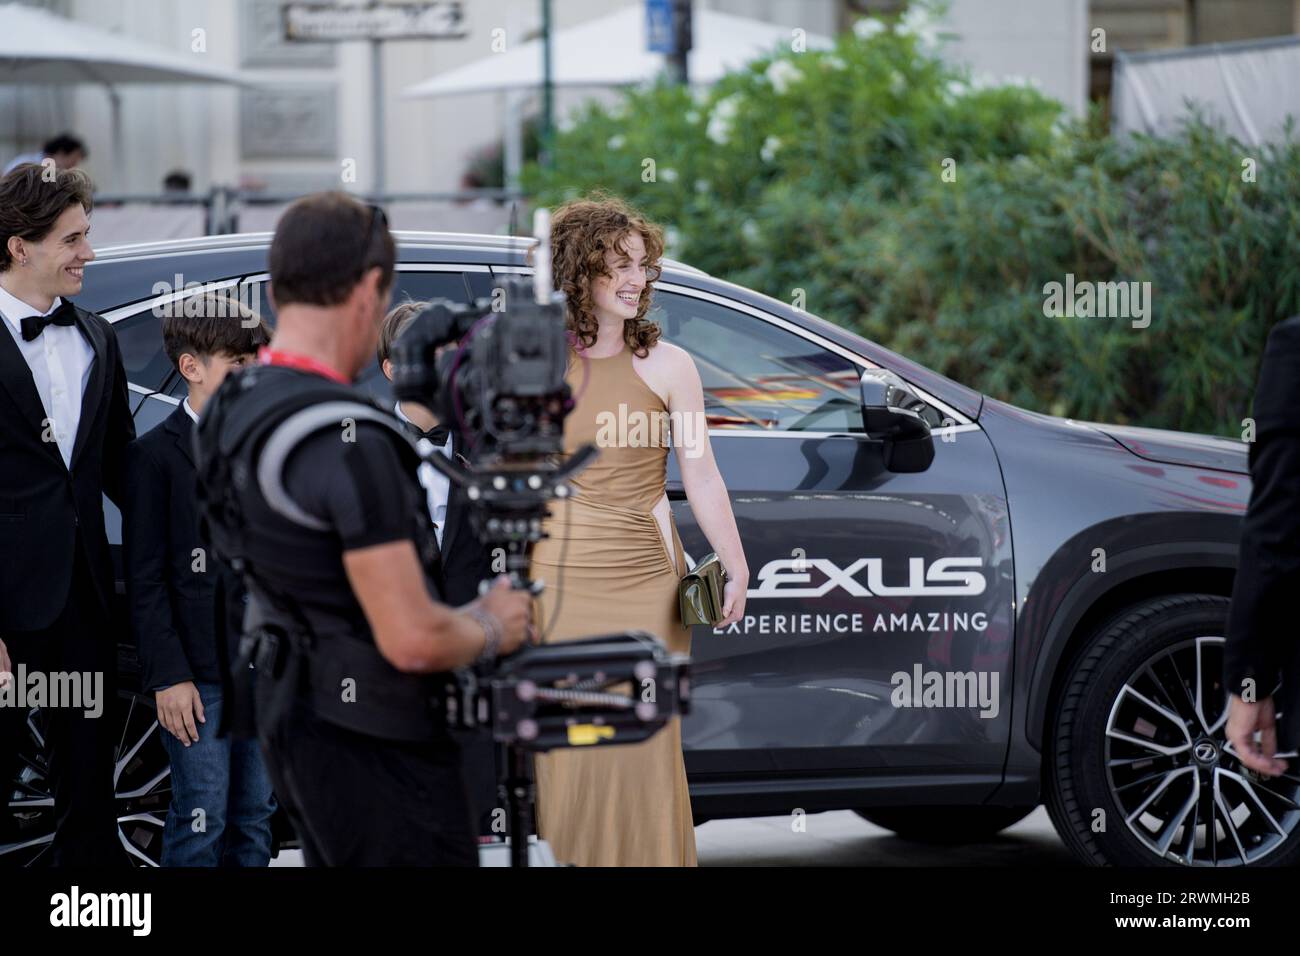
409 285
415 287
757 375
143 358
151 413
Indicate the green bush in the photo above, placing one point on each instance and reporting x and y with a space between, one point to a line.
823 171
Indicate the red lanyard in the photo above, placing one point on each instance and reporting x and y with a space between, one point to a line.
269 356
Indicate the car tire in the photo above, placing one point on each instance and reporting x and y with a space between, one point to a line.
945 825
1137 769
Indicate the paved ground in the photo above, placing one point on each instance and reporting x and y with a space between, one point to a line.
842 838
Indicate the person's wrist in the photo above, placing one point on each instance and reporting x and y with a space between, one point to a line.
491 633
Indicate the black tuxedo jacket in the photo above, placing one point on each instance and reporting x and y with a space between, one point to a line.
465 562
1263 642
172 594
44 503
465 559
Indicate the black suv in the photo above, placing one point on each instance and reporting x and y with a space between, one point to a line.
1035 615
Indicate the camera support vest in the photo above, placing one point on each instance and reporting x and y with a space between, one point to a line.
245 437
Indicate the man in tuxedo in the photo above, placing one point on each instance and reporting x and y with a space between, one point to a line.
1263 644
64 427
464 559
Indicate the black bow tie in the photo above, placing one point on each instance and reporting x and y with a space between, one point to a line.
437 436
34 325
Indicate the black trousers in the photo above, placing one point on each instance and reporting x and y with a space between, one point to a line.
481 768
356 800
81 748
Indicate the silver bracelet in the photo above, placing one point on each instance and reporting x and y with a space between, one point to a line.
492 634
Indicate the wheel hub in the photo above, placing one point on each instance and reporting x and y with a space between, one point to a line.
1206 752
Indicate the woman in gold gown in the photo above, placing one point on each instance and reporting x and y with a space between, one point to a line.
612 560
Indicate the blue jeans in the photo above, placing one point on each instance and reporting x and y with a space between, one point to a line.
226 779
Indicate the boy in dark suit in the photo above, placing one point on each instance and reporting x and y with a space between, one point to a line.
221 805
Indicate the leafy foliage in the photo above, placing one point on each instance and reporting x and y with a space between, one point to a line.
824 171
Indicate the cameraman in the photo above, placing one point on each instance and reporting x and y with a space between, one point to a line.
310 489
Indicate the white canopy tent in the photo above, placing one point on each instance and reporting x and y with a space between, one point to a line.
1250 87
38 47
610 52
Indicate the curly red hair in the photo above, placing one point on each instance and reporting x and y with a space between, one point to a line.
582 231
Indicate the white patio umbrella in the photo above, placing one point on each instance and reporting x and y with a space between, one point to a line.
607 52
38 47
611 51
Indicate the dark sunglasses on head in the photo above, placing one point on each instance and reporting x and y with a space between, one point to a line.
378 222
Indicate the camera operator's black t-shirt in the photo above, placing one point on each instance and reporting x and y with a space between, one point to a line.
361 490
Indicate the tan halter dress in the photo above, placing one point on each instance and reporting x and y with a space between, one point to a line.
625 805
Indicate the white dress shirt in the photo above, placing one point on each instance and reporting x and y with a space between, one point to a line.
60 360
189 411
436 485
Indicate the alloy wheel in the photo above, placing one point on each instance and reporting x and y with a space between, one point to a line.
1183 792
141 787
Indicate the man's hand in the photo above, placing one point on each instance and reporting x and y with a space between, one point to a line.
1243 720
416 634
178 706
512 609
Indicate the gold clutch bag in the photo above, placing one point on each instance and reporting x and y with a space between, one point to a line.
699 595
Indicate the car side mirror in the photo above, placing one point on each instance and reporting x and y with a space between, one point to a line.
891 415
